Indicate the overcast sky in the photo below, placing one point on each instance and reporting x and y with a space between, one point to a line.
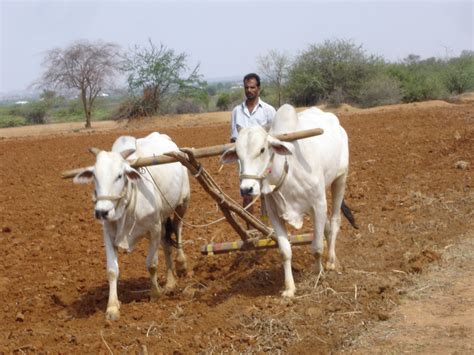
226 37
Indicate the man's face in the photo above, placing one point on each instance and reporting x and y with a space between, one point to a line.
252 91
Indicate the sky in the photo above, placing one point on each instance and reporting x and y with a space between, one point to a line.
227 37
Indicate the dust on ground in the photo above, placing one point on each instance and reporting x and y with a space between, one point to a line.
403 280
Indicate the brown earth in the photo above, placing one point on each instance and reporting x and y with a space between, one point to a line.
406 275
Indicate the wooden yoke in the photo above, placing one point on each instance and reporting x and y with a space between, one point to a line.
202 152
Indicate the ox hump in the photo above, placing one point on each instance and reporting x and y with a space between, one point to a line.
286 120
123 143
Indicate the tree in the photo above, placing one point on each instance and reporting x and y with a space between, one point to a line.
157 72
223 101
420 79
337 66
460 73
274 67
85 66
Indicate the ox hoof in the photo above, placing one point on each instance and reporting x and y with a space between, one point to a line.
181 269
155 294
330 266
288 293
112 314
333 266
170 287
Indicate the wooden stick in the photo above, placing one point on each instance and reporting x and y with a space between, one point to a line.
267 243
225 203
203 152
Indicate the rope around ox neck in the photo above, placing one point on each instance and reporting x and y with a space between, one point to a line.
111 197
267 171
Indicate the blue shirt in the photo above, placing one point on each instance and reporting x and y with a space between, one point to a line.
261 115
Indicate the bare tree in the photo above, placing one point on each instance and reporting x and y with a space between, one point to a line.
274 67
85 66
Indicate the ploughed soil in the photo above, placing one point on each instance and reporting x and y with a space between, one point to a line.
404 281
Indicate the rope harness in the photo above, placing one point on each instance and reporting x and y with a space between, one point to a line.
267 171
129 199
157 188
111 197
119 197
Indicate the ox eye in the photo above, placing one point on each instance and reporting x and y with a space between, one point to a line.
262 150
119 177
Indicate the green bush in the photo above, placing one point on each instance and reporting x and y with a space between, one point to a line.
35 113
187 106
75 108
459 76
336 98
420 86
333 69
382 89
15 111
11 121
223 101
60 113
416 77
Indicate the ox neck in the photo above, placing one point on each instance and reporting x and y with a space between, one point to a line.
275 175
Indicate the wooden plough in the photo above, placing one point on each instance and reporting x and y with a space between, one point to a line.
261 237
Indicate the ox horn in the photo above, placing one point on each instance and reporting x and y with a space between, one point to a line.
94 150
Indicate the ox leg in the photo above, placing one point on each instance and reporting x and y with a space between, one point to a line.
168 250
181 262
319 223
285 249
152 261
113 304
337 190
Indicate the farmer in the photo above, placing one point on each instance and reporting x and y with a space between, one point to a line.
253 111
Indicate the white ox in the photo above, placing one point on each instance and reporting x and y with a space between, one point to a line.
130 204
294 177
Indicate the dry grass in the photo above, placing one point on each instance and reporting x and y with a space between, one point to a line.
437 281
256 333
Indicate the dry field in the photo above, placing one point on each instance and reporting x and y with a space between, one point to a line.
405 282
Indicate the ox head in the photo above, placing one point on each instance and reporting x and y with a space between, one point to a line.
111 175
254 150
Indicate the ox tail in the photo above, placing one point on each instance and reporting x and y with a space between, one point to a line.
348 214
169 230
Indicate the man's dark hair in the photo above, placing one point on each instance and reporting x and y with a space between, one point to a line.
252 76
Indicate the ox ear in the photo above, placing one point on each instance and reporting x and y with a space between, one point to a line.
85 176
280 147
229 156
126 153
132 174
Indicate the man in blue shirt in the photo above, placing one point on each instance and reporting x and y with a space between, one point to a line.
252 112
